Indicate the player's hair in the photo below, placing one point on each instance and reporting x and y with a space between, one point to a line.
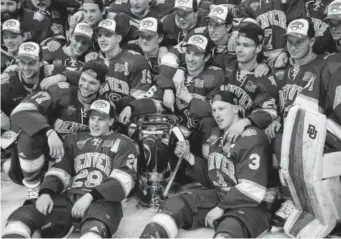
98 2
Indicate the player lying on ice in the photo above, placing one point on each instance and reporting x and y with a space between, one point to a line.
97 172
235 178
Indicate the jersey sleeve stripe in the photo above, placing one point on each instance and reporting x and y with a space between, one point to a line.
24 107
125 179
170 59
30 166
138 94
61 174
251 189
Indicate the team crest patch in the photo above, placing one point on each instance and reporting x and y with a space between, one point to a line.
80 144
71 110
308 76
108 143
280 74
250 86
254 6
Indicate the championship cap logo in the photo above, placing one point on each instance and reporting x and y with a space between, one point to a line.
148 24
11 25
334 10
84 30
184 4
101 106
199 41
30 49
108 24
298 28
218 13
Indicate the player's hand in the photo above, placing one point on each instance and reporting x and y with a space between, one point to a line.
53 46
281 60
52 80
44 204
11 68
231 45
5 121
183 94
261 70
212 215
125 115
236 129
75 19
81 206
182 148
91 56
273 128
55 144
169 99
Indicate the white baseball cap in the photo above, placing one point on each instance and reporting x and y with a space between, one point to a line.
219 13
83 29
30 50
149 25
334 10
102 106
186 5
200 42
298 28
11 25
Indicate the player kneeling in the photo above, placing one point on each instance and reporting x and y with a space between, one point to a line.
235 177
97 173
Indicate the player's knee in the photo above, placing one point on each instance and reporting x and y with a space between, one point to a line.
161 226
94 229
174 208
231 227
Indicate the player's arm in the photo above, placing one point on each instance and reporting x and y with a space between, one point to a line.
31 115
251 172
6 96
198 170
58 177
122 178
265 110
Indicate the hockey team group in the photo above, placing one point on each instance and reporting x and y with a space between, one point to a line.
103 100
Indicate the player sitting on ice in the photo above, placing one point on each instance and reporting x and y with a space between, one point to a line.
235 177
97 173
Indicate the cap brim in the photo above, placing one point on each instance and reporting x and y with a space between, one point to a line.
297 35
195 47
186 9
333 17
96 29
149 32
83 35
98 111
27 56
10 30
215 19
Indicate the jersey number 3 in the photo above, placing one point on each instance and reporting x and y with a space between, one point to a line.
255 161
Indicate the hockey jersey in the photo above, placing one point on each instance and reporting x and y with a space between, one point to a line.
254 95
238 172
293 79
14 90
59 107
106 164
273 17
59 61
128 78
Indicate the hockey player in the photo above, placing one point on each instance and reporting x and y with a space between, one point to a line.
254 93
129 76
34 26
70 57
333 19
235 179
304 73
44 117
12 36
97 172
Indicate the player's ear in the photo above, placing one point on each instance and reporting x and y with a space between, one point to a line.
312 41
111 121
160 38
119 38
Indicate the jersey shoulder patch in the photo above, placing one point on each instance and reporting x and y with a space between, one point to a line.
249 132
63 85
200 30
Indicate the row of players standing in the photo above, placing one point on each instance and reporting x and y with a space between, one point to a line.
194 64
